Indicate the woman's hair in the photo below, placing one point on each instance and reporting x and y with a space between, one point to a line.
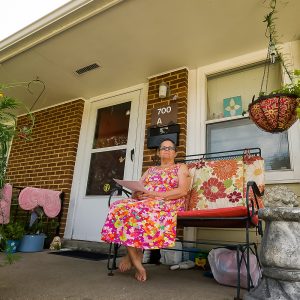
166 139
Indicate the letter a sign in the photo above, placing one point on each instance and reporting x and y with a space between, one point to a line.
164 115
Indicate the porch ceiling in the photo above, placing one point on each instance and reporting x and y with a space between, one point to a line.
139 38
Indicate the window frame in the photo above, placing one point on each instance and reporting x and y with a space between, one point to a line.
199 99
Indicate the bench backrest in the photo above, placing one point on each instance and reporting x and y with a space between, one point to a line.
221 183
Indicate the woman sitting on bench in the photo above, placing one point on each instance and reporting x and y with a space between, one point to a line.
148 220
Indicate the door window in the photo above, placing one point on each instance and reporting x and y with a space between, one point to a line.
104 167
112 126
108 155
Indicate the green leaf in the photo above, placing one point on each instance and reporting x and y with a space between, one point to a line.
297 72
228 183
298 112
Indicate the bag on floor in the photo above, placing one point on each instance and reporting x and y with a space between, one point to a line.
151 256
146 256
170 257
224 267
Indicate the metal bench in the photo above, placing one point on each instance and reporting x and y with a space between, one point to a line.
202 210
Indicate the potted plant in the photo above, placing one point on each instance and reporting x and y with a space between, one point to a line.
34 239
8 127
8 130
278 110
11 235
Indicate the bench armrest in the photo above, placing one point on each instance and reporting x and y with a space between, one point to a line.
118 189
256 193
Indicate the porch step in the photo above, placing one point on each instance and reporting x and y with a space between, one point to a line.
89 246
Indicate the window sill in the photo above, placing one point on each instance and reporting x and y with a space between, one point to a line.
283 181
282 177
226 119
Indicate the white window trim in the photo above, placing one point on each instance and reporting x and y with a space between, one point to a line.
198 104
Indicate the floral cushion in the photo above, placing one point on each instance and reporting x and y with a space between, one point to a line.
254 171
217 184
192 166
223 183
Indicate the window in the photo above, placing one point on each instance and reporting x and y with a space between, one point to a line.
240 78
242 133
243 83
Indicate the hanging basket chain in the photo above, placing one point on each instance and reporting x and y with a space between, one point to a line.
265 77
273 51
277 111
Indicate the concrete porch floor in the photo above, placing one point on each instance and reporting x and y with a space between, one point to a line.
40 275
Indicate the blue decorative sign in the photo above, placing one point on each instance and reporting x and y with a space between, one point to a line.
233 106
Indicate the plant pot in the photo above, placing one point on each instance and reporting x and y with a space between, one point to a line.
12 246
32 243
274 113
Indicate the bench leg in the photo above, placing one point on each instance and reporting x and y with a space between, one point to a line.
248 256
256 254
244 250
238 287
246 260
112 258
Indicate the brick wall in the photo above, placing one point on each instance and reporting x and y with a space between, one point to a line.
48 161
178 84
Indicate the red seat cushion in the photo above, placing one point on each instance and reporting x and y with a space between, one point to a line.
228 212
237 211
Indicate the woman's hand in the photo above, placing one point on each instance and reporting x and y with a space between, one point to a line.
152 194
138 195
146 195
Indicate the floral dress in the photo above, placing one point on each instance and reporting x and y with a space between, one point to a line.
150 223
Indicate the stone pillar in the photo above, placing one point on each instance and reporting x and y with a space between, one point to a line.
280 255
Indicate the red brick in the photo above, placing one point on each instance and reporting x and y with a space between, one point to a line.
48 161
177 82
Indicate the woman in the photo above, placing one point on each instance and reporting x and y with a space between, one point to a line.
148 220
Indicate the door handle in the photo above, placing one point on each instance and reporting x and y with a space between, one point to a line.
132 154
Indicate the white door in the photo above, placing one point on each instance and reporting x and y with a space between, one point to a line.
109 153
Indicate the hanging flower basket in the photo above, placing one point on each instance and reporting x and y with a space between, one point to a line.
274 113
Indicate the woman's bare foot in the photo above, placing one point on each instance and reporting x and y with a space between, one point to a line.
125 264
136 256
141 275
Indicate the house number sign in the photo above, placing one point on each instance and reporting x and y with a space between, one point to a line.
164 115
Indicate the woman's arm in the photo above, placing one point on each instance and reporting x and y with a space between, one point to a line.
138 195
184 181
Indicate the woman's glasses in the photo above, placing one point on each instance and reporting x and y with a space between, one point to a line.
164 148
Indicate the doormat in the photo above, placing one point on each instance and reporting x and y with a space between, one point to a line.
82 254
